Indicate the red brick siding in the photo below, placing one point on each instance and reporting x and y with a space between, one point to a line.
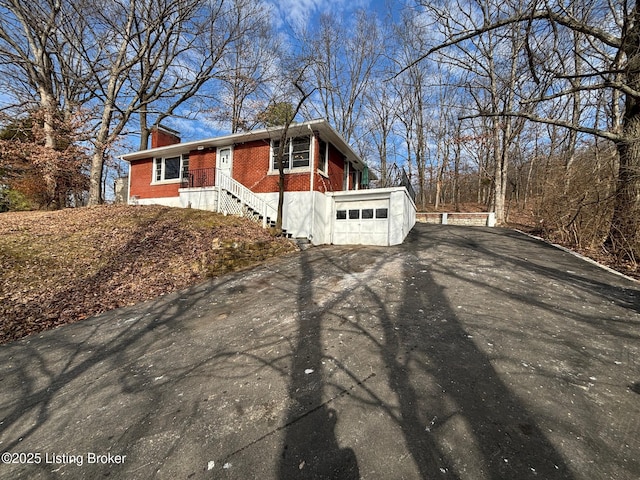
141 174
251 168
202 159
162 138
251 162
336 169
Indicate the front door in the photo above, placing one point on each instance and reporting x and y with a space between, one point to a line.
224 162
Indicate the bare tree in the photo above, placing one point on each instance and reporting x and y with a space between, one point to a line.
412 89
27 34
495 79
162 55
381 116
192 52
118 59
249 72
345 55
41 73
284 120
612 65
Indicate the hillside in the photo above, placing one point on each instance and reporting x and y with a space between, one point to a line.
64 266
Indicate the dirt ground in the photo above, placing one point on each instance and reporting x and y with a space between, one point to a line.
465 353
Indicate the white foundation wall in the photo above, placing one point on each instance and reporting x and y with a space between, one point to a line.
311 215
204 198
305 214
402 216
323 218
165 201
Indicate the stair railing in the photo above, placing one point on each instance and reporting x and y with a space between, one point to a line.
246 196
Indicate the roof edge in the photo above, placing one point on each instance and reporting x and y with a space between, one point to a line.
320 124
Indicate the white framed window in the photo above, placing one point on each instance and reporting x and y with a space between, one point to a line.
297 152
171 169
323 157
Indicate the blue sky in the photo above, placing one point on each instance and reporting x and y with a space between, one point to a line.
293 16
299 13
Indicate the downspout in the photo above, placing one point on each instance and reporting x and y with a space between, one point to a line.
129 184
217 181
311 184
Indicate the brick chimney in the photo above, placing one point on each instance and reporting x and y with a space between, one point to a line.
162 136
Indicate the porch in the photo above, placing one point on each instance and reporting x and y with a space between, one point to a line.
211 189
199 177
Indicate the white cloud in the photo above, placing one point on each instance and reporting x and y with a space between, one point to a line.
297 14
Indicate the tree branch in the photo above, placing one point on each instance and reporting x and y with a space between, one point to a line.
546 14
559 123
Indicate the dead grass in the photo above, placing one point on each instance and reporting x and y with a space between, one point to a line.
64 266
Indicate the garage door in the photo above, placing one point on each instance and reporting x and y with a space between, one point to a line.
361 222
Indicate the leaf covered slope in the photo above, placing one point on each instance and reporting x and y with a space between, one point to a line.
64 266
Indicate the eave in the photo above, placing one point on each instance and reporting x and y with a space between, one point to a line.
326 131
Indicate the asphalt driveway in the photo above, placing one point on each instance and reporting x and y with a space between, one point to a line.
465 353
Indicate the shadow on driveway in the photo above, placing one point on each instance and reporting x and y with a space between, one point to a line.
463 353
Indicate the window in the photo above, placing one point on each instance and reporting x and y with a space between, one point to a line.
185 165
171 168
296 153
341 215
367 213
354 214
381 213
323 157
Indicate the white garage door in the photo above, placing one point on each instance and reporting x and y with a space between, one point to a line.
361 222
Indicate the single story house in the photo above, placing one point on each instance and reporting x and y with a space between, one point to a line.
327 196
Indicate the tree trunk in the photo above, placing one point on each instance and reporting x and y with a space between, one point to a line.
95 177
281 176
499 192
144 131
382 150
97 159
499 174
50 170
280 199
624 235
456 173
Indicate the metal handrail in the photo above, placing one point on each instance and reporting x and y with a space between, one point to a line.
200 177
405 182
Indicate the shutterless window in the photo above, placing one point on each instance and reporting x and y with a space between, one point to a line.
367 213
354 214
300 151
157 176
185 166
341 214
381 213
323 157
274 152
296 153
171 168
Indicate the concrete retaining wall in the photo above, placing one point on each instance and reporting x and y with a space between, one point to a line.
481 219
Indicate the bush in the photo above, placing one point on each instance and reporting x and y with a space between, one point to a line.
13 201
